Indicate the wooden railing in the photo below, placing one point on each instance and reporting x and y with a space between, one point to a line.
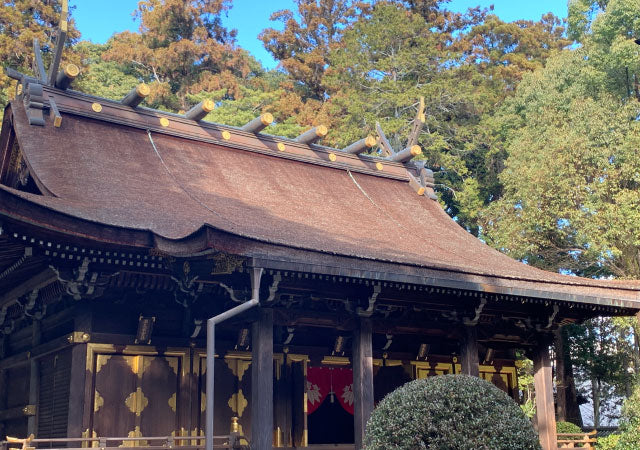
233 441
577 440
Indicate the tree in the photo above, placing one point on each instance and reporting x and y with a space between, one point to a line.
258 95
598 358
570 184
303 46
107 79
20 22
182 48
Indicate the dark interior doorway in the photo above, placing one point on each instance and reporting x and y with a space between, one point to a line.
330 424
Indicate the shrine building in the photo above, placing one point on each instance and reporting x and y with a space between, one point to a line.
124 229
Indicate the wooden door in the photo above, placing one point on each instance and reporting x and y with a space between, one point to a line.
136 395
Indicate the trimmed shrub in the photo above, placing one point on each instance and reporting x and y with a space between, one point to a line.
449 412
568 427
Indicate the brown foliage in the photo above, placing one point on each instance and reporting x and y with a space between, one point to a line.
183 47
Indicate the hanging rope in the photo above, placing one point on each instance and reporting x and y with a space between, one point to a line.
192 197
375 204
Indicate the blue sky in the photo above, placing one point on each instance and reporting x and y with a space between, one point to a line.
98 20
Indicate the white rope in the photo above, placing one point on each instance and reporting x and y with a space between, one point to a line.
192 197
375 204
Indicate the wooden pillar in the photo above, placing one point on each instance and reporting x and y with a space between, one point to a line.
34 380
561 387
299 403
362 379
543 383
3 398
79 416
469 352
262 381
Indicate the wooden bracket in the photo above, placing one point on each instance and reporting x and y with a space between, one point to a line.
34 104
54 113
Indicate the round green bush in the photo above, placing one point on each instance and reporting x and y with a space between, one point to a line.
449 412
568 427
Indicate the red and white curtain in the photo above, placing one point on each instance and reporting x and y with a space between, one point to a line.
335 383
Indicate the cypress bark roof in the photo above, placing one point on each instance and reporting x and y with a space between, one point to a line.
120 169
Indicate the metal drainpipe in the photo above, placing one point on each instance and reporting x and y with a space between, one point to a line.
256 275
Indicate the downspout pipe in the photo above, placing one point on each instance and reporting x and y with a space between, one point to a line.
256 275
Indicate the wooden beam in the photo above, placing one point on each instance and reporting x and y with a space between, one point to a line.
39 66
543 384
65 77
362 379
469 352
3 397
23 358
18 412
387 150
38 281
79 375
406 154
34 377
312 135
200 111
54 113
418 123
363 145
262 381
136 95
60 40
298 404
259 123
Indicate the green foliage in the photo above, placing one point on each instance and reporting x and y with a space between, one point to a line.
567 427
629 437
101 78
449 411
609 442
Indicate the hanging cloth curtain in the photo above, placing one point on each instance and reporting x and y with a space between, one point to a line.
318 387
323 381
343 388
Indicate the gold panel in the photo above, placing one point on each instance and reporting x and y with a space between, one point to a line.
101 360
173 363
136 402
135 433
86 434
139 364
98 401
238 366
95 349
172 402
387 362
203 402
336 360
238 403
